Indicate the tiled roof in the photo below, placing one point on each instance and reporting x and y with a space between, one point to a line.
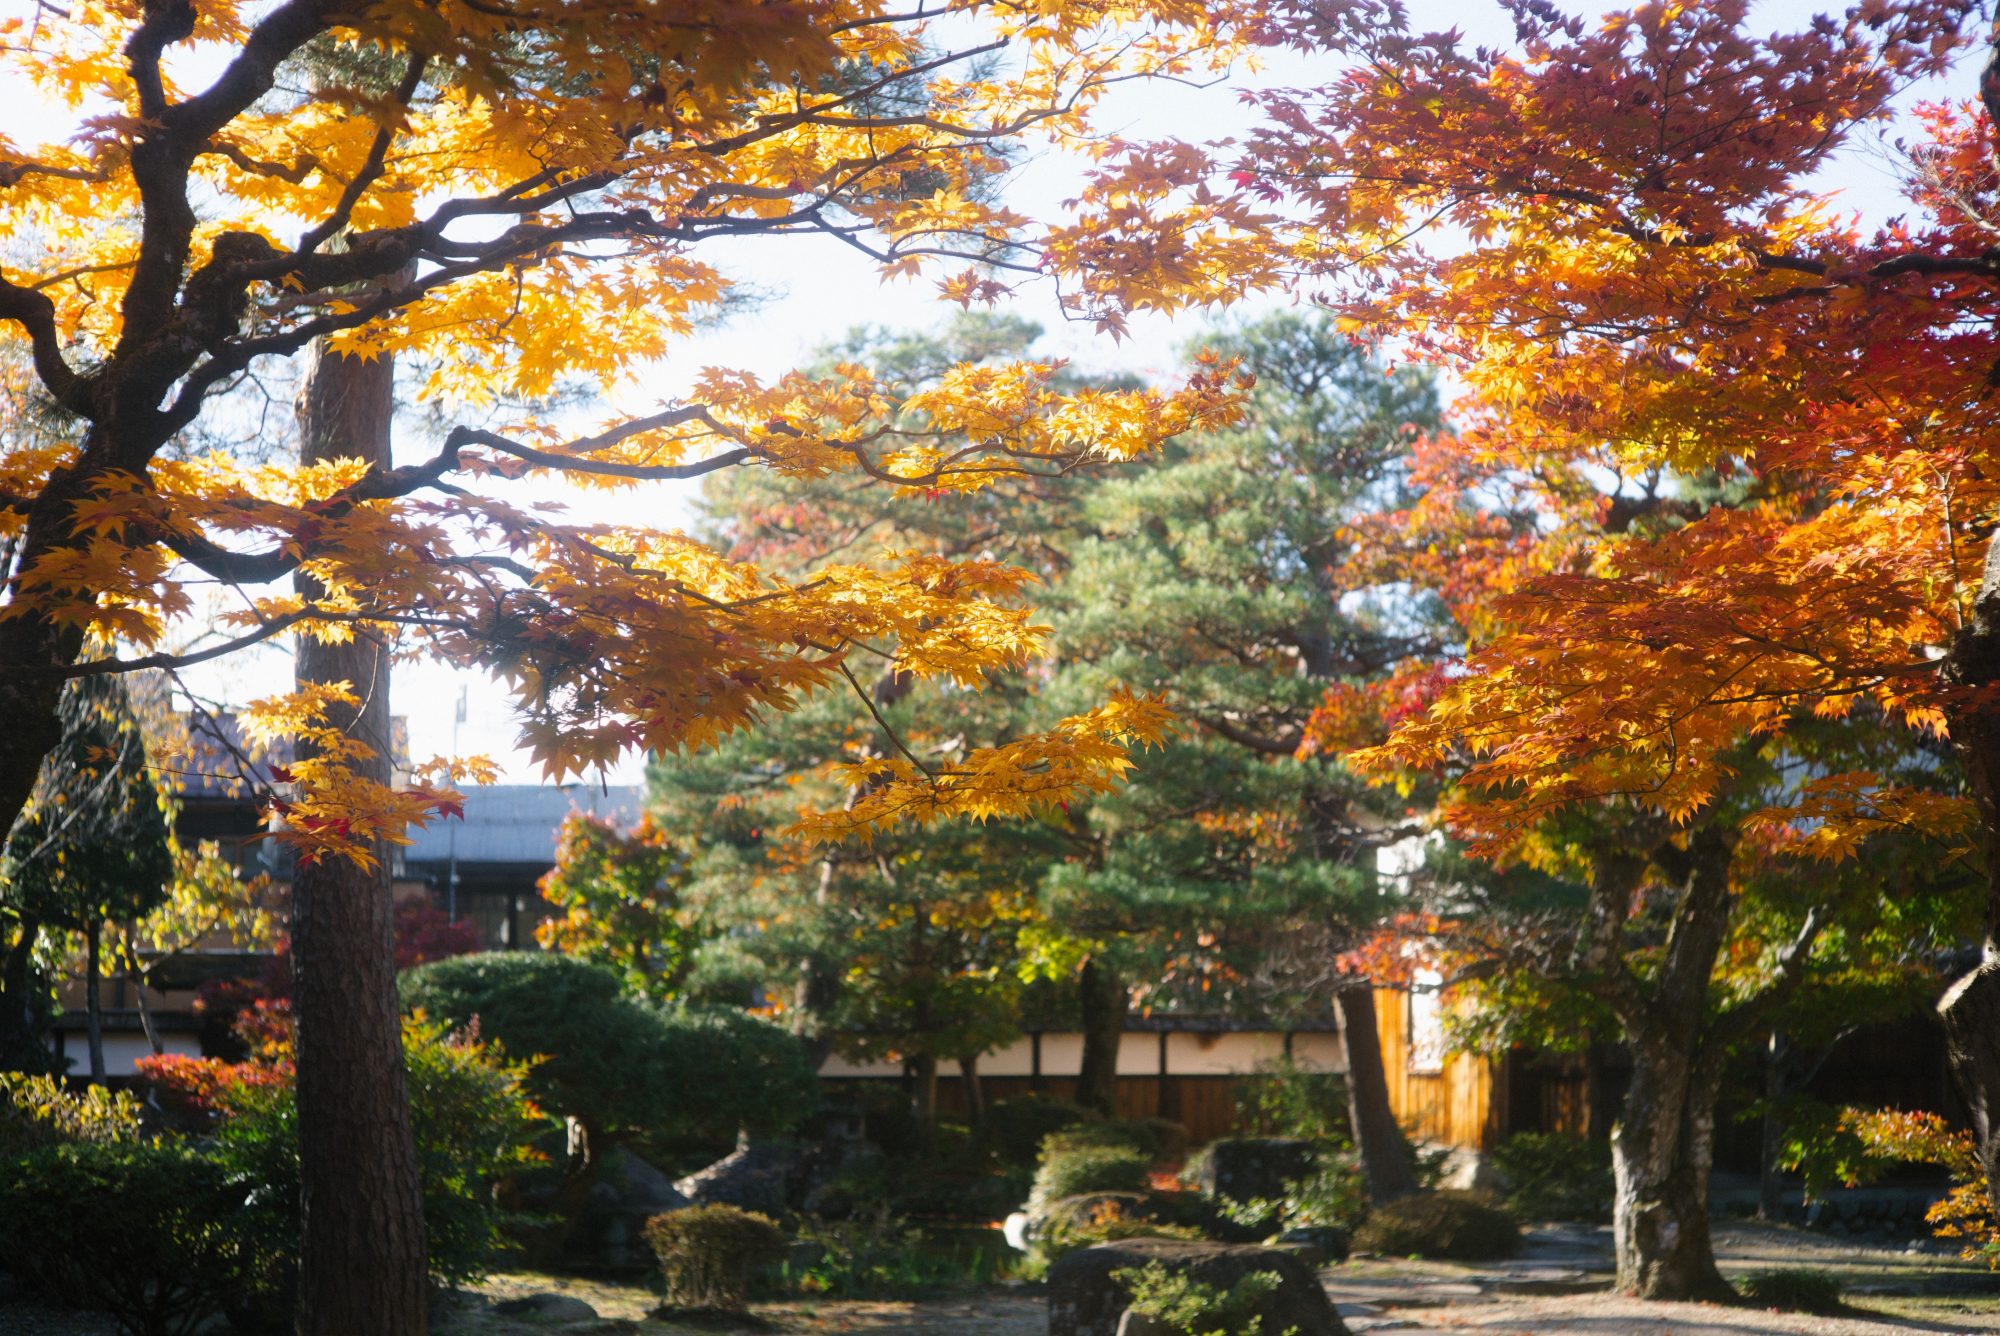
517 823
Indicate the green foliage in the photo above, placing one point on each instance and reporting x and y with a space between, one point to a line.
613 1061
617 896
1191 1307
1556 1177
1455 1226
159 1236
1016 1128
1071 1173
708 1252
1794 1290
1334 1195
877 1254
1280 1098
1138 1137
1105 1222
39 1111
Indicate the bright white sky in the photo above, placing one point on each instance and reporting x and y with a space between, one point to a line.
819 289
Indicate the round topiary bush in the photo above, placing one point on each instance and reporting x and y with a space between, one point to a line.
1138 1137
1072 1173
707 1254
617 1063
1458 1226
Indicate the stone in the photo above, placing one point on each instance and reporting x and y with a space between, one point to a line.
1331 1241
610 1230
1466 1169
752 1177
546 1307
1252 1168
1085 1301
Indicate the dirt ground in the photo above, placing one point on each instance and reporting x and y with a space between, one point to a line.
1559 1286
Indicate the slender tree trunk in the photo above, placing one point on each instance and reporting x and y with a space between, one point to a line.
923 1090
975 1091
1777 1051
1385 1157
93 998
1661 1152
1104 1001
362 1259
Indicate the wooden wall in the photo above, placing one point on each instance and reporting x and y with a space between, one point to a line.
1461 1105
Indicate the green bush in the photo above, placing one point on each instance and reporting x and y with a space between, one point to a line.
38 1111
1458 1226
1090 1169
614 1062
1283 1099
1183 1304
708 1252
1136 1137
878 1254
1556 1177
1106 1222
159 1236
1795 1290
1333 1196
1015 1128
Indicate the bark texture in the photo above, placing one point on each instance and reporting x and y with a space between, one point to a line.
1378 1142
362 1260
1104 1000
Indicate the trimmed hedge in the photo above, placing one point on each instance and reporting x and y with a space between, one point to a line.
1071 1173
708 1252
1457 1226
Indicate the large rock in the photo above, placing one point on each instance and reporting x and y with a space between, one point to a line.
753 1177
609 1233
1085 1301
1248 1169
1465 1169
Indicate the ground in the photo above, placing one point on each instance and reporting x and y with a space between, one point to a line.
1557 1285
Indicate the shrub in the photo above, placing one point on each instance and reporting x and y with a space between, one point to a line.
158 1236
1136 1137
1283 1099
877 1254
708 1252
1090 1169
1179 1302
1107 1222
1460 1226
1333 1196
614 1062
1556 1177
38 1111
1015 1128
1795 1290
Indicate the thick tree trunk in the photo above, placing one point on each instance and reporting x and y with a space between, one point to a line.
21 1046
1970 1010
1103 999
1378 1142
93 997
1661 1151
362 1260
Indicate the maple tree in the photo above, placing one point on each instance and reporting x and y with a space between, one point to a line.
1742 436
464 186
618 902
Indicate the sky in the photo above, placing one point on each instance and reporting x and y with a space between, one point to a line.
818 289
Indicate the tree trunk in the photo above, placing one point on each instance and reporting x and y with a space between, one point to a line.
21 1047
1970 1009
975 1091
1661 1151
362 1257
923 1090
1772 1132
93 997
1104 1000
1378 1142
